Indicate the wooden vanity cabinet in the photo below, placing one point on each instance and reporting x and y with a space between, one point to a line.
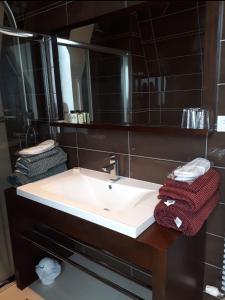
174 260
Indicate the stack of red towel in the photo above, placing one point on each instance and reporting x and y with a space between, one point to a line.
185 206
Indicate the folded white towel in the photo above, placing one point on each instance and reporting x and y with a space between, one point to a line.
40 148
192 170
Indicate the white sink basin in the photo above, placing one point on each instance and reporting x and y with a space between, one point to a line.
126 206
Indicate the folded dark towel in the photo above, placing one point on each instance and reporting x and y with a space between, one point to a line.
26 160
191 197
17 179
42 165
196 185
187 222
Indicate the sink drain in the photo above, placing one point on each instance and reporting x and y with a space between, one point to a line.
107 209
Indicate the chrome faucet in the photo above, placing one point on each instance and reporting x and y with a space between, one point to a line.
112 168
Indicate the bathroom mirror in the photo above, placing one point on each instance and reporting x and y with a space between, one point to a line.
94 80
166 44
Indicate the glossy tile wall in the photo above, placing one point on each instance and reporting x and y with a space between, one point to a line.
167 57
150 156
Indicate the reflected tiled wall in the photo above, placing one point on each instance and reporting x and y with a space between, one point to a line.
151 156
166 44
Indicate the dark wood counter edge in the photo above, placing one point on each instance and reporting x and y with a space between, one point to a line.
131 127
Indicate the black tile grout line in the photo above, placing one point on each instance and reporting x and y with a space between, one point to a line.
78 160
168 91
102 151
173 36
174 13
21 17
159 68
137 55
146 65
206 147
31 15
218 55
129 157
157 158
175 57
70 147
177 75
219 167
67 15
215 235
213 266
201 47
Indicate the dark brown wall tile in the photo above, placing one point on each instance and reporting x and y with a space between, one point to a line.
95 160
140 84
222 184
155 117
154 68
42 131
222 63
184 82
214 250
181 65
179 46
152 170
216 149
212 276
181 99
141 117
139 66
177 6
84 10
223 25
146 31
167 25
216 221
50 20
136 47
140 101
176 82
32 7
177 147
105 140
171 118
72 157
150 51
66 136
220 107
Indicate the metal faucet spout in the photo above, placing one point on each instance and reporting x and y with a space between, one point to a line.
112 168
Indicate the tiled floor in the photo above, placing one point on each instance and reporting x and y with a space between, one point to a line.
73 284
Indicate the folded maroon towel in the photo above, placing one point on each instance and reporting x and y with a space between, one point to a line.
187 222
191 197
195 186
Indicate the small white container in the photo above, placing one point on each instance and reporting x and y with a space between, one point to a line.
73 117
80 117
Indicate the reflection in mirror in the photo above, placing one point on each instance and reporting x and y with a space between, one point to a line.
94 81
166 43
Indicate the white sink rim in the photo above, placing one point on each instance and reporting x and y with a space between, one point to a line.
131 222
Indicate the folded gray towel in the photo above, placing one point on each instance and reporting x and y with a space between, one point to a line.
31 159
18 178
42 165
